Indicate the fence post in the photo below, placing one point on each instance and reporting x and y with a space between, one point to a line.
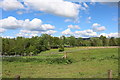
109 74
65 55
17 77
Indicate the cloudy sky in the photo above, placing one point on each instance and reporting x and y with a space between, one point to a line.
58 17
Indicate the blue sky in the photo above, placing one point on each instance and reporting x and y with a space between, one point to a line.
91 20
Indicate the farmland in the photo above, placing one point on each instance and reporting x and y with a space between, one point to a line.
81 62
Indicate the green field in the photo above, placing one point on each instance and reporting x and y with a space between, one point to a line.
80 63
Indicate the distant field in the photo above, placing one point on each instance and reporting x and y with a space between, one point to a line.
80 63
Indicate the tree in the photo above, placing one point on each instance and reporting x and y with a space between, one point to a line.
37 44
6 46
118 41
105 41
96 42
112 42
46 39
72 41
79 41
86 43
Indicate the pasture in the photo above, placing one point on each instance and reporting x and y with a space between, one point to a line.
81 62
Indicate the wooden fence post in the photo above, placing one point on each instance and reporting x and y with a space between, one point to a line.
109 74
65 55
17 77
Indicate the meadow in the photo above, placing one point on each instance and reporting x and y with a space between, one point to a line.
81 62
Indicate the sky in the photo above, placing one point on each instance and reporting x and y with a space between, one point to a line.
58 17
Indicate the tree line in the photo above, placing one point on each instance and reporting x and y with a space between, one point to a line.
37 44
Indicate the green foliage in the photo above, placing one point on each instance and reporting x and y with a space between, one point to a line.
72 41
35 45
96 42
105 41
112 41
86 43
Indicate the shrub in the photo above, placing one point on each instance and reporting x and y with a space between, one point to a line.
61 49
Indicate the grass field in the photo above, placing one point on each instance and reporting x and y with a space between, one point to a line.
80 63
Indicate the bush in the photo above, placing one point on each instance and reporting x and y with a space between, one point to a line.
61 49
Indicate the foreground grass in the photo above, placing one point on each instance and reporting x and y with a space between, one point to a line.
85 63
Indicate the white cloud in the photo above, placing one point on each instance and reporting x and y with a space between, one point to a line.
97 27
49 32
10 5
34 25
107 2
104 0
7 36
19 12
86 33
110 34
89 18
10 23
28 33
68 20
47 27
67 32
57 7
113 34
24 11
75 20
73 26
85 5
2 30
93 0
29 28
